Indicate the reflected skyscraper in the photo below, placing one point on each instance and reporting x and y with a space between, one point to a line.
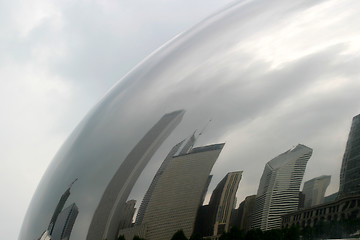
65 222
178 193
127 215
222 202
106 220
242 216
62 221
181 148
350 168
58 209
314 190
278 191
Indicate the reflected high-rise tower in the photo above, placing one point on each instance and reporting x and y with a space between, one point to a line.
62 221
107 216
222 202
65 222
278 191
179 192
58 209
350 168
181 148
314 190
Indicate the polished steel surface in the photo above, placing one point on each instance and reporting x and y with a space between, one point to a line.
261 76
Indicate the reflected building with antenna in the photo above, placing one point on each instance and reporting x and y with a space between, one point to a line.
62 221
65 223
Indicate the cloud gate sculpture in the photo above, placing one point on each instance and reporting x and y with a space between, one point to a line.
184 137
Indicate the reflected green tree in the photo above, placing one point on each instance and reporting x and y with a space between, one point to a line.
179 235
254 234
121 237
138 238
234 234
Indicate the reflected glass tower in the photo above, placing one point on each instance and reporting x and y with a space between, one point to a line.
242 216
62 221
222 202
350 168
58 209
65 222
106 220
314 190
278 191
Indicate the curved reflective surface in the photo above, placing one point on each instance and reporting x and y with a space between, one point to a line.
259 76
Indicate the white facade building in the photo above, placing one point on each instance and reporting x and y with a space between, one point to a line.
278 191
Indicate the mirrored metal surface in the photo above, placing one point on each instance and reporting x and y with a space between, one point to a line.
227 96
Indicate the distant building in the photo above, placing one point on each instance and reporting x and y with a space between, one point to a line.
331 197
278 191
107 216
65 222
341 209
350 168
178 193
242 216
45 236
314 190
222 202
301 201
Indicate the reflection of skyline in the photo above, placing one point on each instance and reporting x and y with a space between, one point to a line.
180 169
106 219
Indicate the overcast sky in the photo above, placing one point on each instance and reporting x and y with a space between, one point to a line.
57 59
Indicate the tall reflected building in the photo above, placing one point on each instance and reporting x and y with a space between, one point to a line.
58 209
179 149
127 215
179 192
65 222
278 191
106 219
223 201
314 190
242 216
350 168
